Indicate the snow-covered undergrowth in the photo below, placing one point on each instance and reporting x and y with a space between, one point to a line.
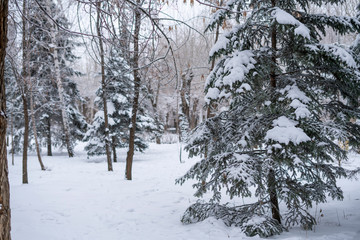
77 199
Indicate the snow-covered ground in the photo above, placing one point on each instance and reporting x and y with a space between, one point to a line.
78 199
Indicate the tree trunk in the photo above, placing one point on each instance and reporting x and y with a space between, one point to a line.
114 148
157 140
34 128
26 141
5 214
12 140
48 136
154 103
273 196
103 85
271 175
137 80
184 114
193 116
25 75
60 88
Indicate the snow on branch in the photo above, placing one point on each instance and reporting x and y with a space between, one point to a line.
282 17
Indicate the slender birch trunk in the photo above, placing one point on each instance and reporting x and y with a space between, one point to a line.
60 87
103 85
137 81
5 214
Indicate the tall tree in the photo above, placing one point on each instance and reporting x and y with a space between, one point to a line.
119 83
5 214
285 116
99 26
59 82
137 81
25 81
56 95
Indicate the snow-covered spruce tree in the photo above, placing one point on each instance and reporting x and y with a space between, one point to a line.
119 82
285 116
355 49
14 108
57 96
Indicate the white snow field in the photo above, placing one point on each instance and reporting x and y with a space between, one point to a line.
78 199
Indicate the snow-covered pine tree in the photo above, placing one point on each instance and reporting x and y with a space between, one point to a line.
47 67
119 82
291 99
14 107
355 48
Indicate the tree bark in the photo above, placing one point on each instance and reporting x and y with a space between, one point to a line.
273 196
60 88
48 136
26 141
12 140
114 148
34 128
5 214
271 175
25 75
154 103
137 80
103 85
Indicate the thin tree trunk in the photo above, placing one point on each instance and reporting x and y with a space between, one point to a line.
26 141
158 138
114 148
271 175
137 80
34 128
154 104
48 137
60 87
103 85
5 214
12 140
25 75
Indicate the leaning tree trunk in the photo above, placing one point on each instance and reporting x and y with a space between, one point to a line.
34 128
64 116
5 214
104 87
137 80
271 175
60 88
